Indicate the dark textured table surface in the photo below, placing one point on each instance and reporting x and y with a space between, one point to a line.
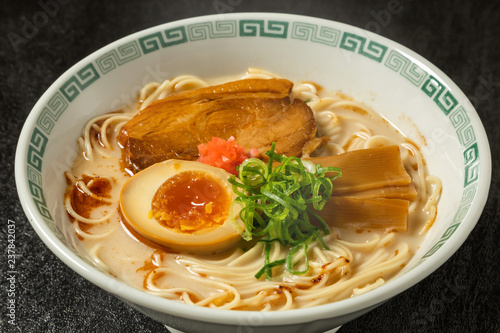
42 39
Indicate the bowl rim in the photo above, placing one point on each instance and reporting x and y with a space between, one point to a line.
336 309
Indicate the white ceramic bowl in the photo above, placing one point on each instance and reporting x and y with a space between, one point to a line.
404 87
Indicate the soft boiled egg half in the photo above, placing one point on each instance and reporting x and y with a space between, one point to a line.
183 205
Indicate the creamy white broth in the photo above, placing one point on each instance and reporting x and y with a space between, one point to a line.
226 280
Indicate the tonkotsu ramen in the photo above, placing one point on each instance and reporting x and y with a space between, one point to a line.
249 193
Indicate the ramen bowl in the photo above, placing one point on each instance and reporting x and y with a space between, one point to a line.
406 89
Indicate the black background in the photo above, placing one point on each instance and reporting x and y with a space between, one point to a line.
461 38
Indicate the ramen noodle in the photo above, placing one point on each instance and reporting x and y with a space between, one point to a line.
354 263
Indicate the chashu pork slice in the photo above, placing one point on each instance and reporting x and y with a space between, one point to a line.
256 112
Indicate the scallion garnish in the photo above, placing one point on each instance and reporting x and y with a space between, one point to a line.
278 201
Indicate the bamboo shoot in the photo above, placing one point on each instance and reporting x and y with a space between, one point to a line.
366 213
366 169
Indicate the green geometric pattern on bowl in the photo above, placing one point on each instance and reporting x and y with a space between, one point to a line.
355 43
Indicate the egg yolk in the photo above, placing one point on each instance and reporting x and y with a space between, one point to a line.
191 201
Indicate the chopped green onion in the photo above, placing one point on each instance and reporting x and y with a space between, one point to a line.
289 259
277 202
